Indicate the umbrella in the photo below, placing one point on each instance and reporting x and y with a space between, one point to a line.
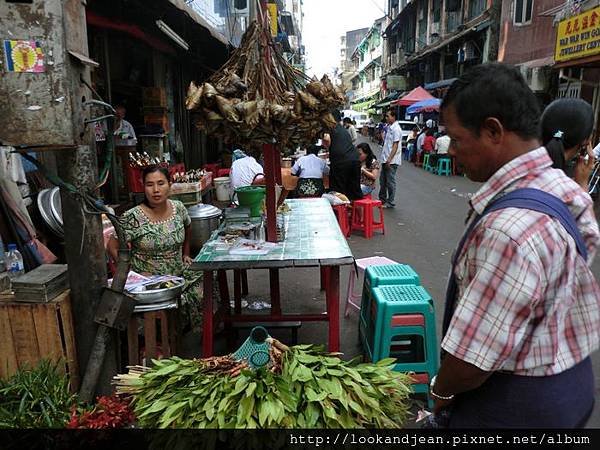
416 95
428 105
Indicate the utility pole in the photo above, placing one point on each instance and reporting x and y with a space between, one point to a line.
46 107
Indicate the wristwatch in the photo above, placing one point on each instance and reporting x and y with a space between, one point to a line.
437 396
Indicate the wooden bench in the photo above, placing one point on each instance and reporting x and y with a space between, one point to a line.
291 325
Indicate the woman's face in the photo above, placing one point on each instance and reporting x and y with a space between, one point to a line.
156 188
362 155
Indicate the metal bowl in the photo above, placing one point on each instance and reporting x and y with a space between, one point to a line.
160 295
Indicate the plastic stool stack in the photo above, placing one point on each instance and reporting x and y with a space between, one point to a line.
361 264
363 218
443 167
397 320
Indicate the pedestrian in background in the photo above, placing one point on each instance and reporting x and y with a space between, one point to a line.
391 158
348 125
344 175
523 307
567 125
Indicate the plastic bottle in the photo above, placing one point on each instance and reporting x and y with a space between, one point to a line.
14 262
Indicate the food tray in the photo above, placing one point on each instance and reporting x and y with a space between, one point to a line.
159 295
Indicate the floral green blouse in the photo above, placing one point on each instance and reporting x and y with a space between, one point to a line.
156 247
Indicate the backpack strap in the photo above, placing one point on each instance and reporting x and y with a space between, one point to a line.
525 198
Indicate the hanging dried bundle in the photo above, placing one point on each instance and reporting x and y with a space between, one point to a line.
257 97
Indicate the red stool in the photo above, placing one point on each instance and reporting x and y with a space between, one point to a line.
341 212
223 173
363 218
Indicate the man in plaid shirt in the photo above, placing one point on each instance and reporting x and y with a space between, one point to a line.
523 312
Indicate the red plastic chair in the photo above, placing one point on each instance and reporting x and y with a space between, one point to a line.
363 218
341 212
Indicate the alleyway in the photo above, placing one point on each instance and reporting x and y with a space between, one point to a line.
421 231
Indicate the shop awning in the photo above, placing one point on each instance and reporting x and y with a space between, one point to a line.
439 84
363 105
429 105
387 100
414 96
183 6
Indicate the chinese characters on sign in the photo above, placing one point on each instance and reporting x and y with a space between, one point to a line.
24 56
578 36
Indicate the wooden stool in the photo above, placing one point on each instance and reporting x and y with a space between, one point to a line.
168 335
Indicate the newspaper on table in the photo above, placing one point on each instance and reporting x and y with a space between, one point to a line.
248 247
138 283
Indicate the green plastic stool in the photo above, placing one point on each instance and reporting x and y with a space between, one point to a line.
401 300
444 167
391 274
426 165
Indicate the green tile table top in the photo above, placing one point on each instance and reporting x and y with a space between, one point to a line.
313 237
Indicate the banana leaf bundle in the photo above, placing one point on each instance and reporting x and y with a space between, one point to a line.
303 388
258 97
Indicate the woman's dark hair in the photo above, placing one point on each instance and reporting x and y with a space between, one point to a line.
565 123
392 112
494 90
348 120
152 169
429 132
313 149
366 148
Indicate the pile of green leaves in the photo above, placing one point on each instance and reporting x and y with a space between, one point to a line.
36 398
312 390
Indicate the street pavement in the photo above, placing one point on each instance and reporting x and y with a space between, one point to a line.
421 231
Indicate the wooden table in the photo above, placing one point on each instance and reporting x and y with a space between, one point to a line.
313 239
290 182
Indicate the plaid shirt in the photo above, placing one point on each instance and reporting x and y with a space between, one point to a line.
527 301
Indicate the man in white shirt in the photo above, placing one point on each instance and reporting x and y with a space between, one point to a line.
391 158
348 126
124 132
442 144
246 171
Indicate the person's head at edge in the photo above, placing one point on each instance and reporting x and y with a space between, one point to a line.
566 126
492 117
313 149
337 115
347 122
365 154
390 116
120 111
157 184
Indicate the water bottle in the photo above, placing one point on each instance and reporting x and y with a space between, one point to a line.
2 256
14 262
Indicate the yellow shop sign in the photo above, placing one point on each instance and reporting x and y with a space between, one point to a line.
578 36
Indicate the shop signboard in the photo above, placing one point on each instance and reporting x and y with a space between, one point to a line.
578 36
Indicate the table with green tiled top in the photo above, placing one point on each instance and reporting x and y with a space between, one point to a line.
313 239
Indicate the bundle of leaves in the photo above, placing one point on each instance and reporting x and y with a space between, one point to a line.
109 412
311 389
36 398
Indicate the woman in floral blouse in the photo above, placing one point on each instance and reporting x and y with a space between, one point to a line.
158 231
369 168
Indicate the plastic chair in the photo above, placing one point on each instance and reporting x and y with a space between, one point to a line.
363 218
444 167
341 213
361 265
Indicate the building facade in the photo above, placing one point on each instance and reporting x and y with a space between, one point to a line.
366 63
348 43
431 42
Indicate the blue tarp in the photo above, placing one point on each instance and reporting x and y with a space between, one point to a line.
428 105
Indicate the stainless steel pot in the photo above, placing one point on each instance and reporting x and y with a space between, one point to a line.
205 220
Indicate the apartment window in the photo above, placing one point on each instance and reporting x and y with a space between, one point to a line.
476 7
523 11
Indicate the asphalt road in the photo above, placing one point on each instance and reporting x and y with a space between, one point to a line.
422 232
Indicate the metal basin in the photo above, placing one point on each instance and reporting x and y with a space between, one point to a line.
159 295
